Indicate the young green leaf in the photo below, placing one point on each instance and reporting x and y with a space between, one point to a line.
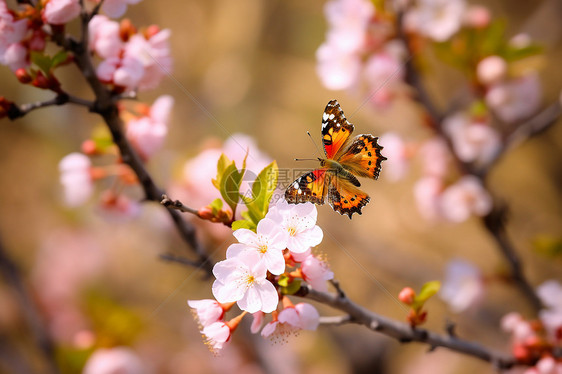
429 289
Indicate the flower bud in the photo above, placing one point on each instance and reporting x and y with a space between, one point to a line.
407 295
491 69
23 76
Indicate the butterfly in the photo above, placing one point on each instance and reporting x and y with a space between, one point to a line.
346 159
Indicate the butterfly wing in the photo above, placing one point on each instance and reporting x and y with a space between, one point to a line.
336 129
363 157
344 197
308 187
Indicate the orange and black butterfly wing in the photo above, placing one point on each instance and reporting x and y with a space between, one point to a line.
336 130
363 157
308 187
344 197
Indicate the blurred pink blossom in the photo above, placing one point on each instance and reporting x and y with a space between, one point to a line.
464 198
126 72
427 192
348 21
59 12
436 157
463 286
550 293
491 69
154 56
515 99
338 70
472 141
147 134
257 322
477 16
301 316
316 273
520 329
118 207
76 179
384 73
104 37
116 8
436 19
546 365
118 360
12 53
396 151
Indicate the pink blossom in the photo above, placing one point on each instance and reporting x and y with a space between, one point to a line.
207 311
472 141
477 16
154 56
552 322
302 316
491 69
148 133
548 365
104 37
520 329
15 57
338 70
299 221
396 150
427 192
316 273
122 360
467 196
462 287
126 72
76 179
118 207
216 334
437 19
268 242
257 323
198 173
550 293
384 72
59 12
243 279
436 157
516 99
348 21
116 8
236 146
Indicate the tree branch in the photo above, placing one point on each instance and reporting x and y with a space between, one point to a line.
61 99
178 205
14 278
403 332
105 106
496 229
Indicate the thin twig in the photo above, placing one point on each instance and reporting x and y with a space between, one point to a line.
43 341
180 260
403 332
178 205
61 99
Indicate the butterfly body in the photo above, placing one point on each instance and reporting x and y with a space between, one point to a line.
346 159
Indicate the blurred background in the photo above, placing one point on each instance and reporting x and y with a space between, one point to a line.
249 67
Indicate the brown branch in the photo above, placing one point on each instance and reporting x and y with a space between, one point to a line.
178 205
61 99
402 331
14 278
105 106
496 229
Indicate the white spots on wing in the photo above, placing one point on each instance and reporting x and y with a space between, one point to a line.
324 116
331 116
299 191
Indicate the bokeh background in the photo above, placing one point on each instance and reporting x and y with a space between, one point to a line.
249 67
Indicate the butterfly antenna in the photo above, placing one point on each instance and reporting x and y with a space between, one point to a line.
305 159
315 146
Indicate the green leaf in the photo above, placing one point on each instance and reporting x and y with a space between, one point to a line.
243 224
548 246
102 138
428 290
222 164
230 185
292 288
216 205
42 61
58 59
264 186
283 280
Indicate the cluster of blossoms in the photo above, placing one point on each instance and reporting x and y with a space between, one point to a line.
534 341
146 129
263 268
365 45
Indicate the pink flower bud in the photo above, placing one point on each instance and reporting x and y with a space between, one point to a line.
23 76
407 295
59 12
491 69
477 16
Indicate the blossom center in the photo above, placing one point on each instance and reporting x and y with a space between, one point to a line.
262 248
292 230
